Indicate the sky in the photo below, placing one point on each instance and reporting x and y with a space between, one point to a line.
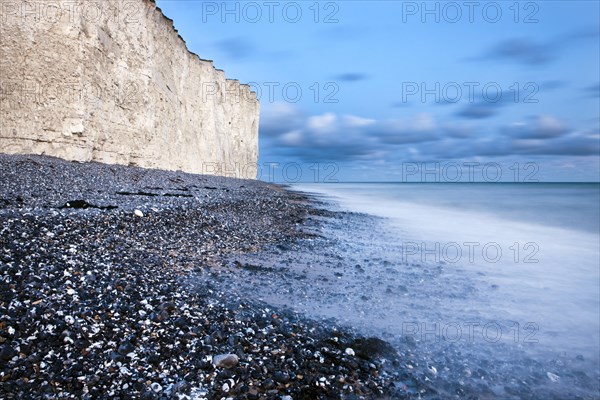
407 91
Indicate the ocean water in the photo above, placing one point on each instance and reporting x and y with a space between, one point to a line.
569 205
499 269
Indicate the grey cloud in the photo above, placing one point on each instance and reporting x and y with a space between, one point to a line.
575 144
590 32
538 136
477 111
336 139
454 148
351 77
350 151
521 50
279 118
534 53
482 108
593 90
460 131
571 145
293 135
388 134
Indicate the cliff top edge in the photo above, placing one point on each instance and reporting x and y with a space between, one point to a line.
171 23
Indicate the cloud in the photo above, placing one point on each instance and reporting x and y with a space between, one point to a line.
351 77
526 51
459 130
292 138
237 48
542 135
355 122
485 108
322 124
593 90
477 111
279 118
341 152
522 50
324 137
342 33
330 137
589 32
416 129
573 144
540 127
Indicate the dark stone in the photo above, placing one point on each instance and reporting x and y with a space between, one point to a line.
126 348
7 352
281 377
268 383
371 348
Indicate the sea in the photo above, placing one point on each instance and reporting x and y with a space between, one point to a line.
502 278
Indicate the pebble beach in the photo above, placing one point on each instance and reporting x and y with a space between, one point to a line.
110 286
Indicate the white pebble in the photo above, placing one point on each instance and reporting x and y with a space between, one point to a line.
349 352
139 214
69 320
156 387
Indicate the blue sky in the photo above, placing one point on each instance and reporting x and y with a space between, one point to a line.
401 90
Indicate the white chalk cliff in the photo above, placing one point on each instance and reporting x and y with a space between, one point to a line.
115 83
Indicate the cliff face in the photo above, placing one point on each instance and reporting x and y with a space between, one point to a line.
113 82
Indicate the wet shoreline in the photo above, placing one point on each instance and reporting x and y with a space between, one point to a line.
445 321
